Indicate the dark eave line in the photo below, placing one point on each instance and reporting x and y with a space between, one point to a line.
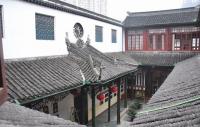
77 11
32 99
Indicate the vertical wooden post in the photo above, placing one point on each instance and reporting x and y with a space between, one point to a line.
3 87
118 101
145 40
125 93
93 107
168 40
147 84
84 108
109 100
144 85
126 40
133 85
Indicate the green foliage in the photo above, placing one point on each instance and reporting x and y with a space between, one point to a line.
131 113
137 105
132 110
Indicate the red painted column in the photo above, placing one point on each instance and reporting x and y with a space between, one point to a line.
145 40
168 40
126 40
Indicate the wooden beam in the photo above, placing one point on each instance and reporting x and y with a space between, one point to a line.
93 107
125 93
118 101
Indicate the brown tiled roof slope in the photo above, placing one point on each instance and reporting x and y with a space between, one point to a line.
13 115
163 18
177 101
150 58
36 77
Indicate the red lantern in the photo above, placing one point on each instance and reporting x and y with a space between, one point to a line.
101 97
114 89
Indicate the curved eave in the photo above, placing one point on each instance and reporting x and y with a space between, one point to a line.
25 101
115 77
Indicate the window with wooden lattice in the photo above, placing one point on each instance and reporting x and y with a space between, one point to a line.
46 109
55 107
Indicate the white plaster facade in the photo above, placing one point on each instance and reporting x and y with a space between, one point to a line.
19 31
100 108
65 107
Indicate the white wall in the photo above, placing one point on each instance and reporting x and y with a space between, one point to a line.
20 37
101 107
65 107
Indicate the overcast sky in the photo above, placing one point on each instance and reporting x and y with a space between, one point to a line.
117 8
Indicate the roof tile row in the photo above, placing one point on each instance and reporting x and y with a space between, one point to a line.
177 101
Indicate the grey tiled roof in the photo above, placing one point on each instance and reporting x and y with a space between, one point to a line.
177 101
37 77
163 18
112 68
33 78
123 56
13 115
149 58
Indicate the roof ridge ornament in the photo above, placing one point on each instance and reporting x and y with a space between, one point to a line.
67 41
95 71
78 33
80 43
88 40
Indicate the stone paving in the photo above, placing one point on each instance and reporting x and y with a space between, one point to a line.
102 119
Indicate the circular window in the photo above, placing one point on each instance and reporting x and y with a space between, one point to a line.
78 30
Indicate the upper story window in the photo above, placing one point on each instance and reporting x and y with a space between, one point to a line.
44 27
156 41
135 40
114 36
98 33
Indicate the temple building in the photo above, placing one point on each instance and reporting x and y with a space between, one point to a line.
166 30
75 64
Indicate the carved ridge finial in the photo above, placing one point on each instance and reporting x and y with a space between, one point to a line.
88 40
67 42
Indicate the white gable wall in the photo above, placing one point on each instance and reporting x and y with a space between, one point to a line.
20 35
